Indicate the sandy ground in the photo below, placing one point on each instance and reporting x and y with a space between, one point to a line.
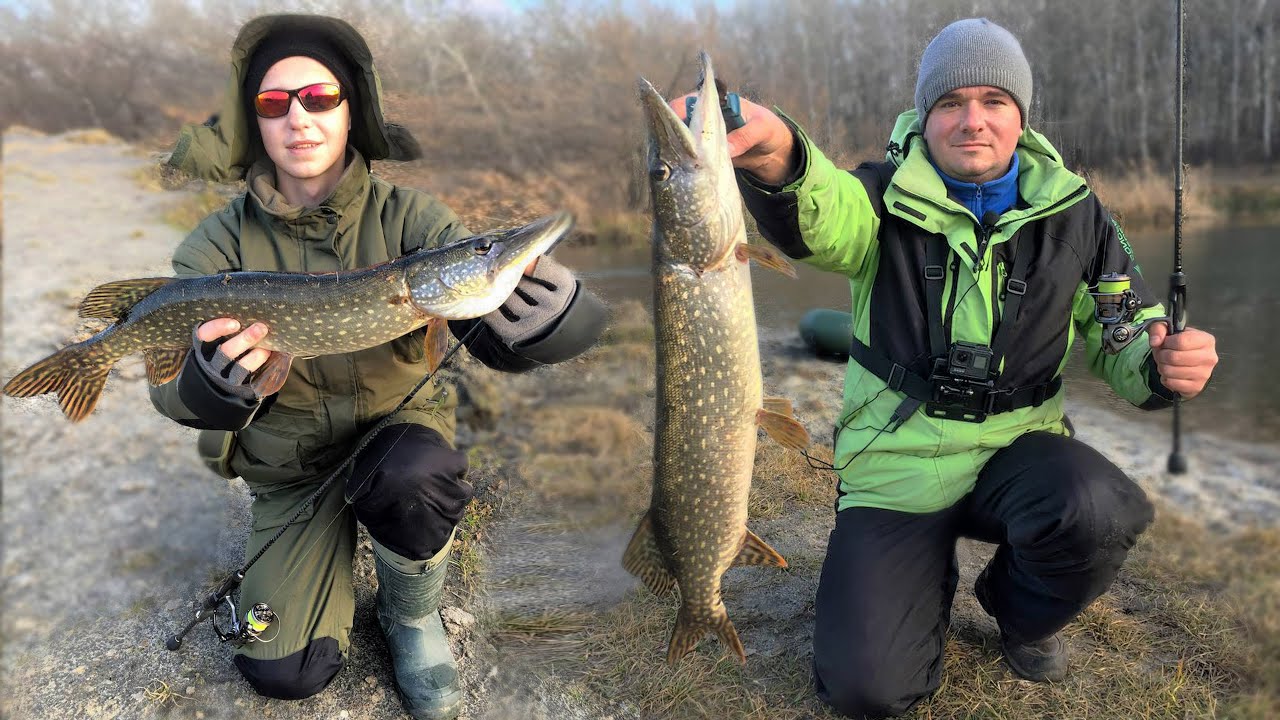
112 527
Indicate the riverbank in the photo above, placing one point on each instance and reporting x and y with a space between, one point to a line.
113 527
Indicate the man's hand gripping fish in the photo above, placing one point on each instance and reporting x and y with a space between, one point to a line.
709 387
307 314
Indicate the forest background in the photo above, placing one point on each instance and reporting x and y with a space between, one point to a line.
538 99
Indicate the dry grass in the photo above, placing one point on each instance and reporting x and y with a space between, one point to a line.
484 471
622 658
1190 630
43 177
629 324
19 129
782 479
1141 196
591 465
588 430
622 228
91 136
159 693
190 209
151 176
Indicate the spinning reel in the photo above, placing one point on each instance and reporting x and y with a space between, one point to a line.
1115 304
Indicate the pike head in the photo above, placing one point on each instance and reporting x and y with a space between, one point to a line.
697 210
472 277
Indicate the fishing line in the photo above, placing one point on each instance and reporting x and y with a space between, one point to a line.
347 504
820 464
214 600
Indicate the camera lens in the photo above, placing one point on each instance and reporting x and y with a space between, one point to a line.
962 356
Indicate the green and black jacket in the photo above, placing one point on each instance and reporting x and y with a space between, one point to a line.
843 221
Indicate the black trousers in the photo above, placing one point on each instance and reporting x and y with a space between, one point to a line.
1064 518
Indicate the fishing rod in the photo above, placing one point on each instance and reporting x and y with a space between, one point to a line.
260 616
1115 303
1177 280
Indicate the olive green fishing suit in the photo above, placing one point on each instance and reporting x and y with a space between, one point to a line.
408 486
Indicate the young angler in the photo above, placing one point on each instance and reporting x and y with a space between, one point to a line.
302 122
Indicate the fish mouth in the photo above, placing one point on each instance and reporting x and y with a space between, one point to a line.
523 244
675 140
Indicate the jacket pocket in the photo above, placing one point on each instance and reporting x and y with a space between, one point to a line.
259 447
273 509
216 448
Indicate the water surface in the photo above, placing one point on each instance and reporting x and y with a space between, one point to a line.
1233 292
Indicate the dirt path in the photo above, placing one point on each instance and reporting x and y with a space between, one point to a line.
112 527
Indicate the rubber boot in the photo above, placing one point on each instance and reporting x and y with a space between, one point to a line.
409 613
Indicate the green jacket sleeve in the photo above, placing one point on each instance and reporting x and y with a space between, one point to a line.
1131 372
825 216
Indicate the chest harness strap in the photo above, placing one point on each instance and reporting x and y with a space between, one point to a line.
964 394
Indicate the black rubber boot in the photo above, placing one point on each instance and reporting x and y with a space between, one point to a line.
409 613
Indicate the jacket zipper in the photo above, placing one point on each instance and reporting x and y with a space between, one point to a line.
985 238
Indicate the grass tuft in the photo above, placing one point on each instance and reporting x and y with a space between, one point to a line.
91 136
159 693
1141 196
187 212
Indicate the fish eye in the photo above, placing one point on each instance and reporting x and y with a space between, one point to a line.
481 247
660 172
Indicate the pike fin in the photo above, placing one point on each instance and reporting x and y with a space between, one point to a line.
72 373
114 300
164 364
784 429
757 552
271 376
688 633
644 560
436 342
779 405
765 256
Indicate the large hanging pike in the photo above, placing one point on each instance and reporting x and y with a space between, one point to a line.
308 314
709 387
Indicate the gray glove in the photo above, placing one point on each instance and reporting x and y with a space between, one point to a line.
537 303
223 372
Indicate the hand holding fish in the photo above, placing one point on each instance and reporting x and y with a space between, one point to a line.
764 147
309 314
239 345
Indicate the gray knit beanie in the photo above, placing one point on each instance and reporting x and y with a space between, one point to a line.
968 53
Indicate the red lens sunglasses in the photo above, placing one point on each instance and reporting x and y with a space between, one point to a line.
320 97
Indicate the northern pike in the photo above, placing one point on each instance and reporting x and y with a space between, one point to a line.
709 399
307 314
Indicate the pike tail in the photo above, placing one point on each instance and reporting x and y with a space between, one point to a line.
690 630
76 373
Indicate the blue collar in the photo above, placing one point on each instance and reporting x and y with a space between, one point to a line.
998 195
